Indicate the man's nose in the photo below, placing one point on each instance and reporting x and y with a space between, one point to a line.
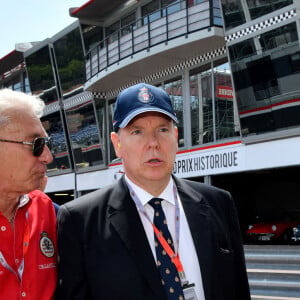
46 155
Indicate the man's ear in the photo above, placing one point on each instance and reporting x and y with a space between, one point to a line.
115 139
176 131
176 135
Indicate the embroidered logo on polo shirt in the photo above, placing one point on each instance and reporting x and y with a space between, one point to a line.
46 245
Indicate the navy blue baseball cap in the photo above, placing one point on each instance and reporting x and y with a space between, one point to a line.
138 99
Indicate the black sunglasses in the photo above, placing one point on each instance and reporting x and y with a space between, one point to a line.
38 144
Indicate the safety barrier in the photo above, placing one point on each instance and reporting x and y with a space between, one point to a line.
273 271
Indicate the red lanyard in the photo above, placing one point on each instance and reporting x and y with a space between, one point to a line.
174 257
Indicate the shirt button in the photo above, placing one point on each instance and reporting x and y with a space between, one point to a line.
3 228
23 294
17 261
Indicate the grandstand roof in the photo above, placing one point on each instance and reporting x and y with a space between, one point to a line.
96 10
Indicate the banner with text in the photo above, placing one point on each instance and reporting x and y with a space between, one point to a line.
208 162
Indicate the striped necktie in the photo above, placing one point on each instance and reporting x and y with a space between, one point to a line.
168 271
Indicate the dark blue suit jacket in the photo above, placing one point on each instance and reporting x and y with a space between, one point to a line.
105 255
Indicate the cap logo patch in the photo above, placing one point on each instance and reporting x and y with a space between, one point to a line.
46 245
144 95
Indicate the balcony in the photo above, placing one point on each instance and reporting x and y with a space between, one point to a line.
152 45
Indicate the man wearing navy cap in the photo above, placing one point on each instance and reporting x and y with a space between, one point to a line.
150 236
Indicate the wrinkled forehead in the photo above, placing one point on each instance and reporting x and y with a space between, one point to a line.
21 121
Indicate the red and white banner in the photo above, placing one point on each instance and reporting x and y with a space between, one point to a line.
224 92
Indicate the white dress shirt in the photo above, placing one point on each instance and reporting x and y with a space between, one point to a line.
186 250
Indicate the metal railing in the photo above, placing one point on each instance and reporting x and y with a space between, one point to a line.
176 20
273 272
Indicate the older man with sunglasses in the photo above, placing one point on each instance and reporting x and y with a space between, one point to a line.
27 215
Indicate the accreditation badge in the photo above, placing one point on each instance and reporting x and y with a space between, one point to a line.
189 292
46 245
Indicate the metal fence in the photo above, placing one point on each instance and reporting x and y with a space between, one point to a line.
178 19
273 271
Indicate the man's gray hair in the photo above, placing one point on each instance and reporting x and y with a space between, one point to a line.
10 99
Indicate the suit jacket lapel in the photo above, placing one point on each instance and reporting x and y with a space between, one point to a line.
126 220
198 216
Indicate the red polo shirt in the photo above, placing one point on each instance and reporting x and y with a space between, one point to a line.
28 253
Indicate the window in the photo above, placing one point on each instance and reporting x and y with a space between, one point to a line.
151 12
174 89
112 32
40 74
84 135
201 106
70 63
121 27
171 6
279 37
267 81
204 128
295 61
233 13
159 8
263 7
26 84
241 50
54 126
263 78
127 23
112 155
224 108
101 121
92 35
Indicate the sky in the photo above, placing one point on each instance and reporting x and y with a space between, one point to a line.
23 21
